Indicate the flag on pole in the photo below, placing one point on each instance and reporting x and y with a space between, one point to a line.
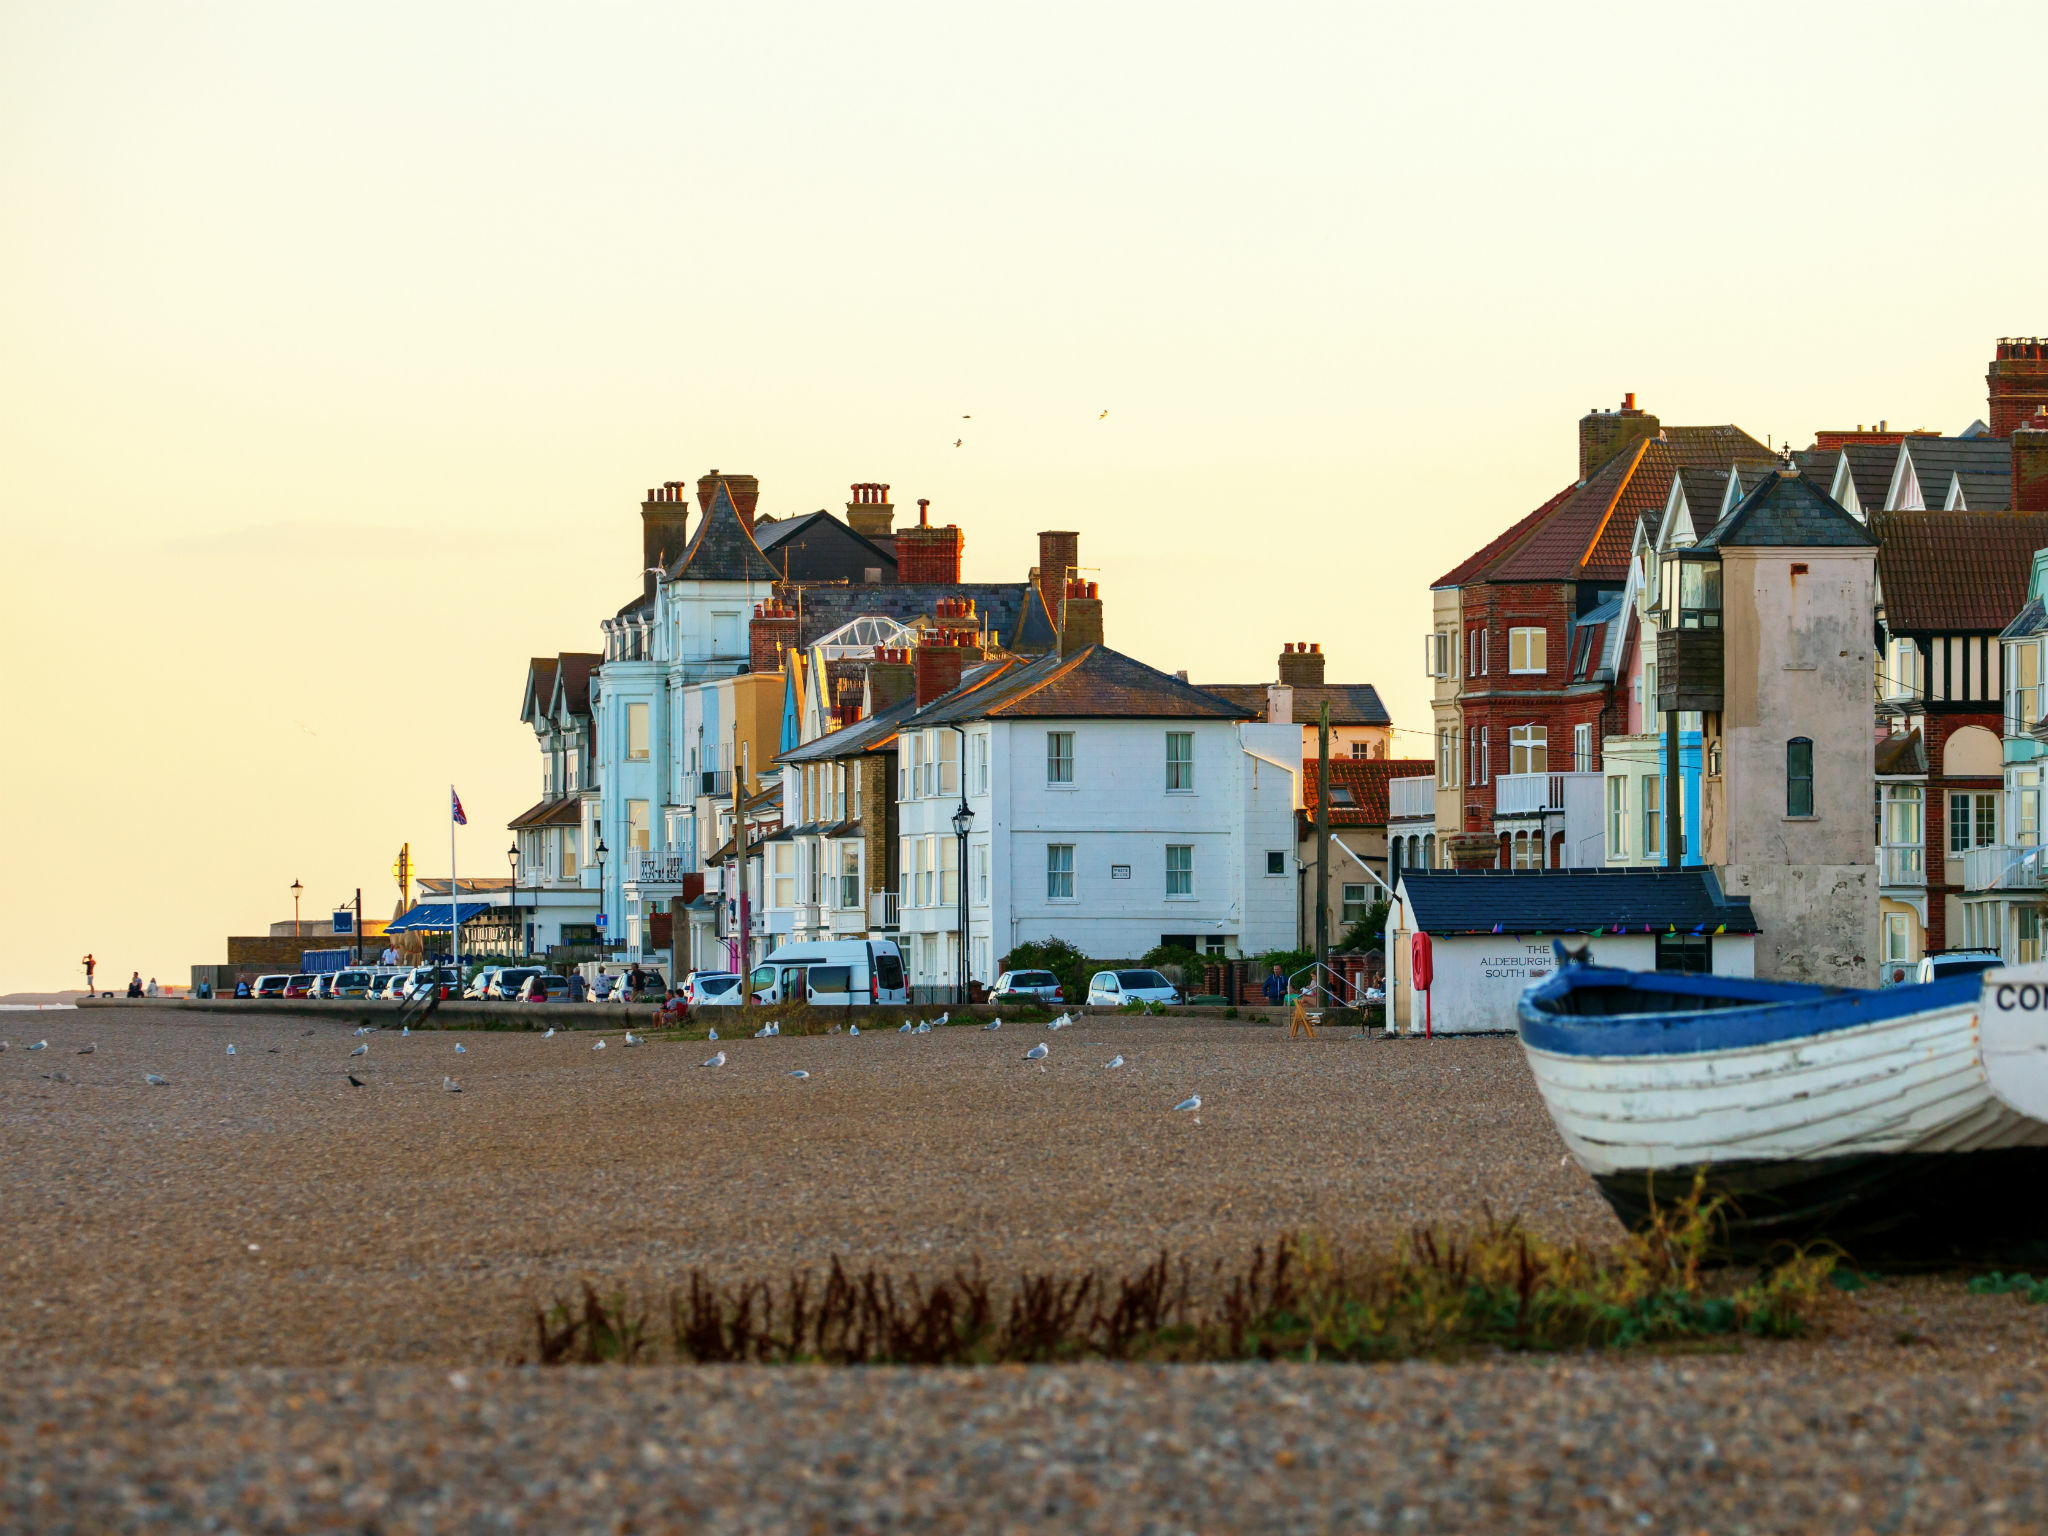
455 802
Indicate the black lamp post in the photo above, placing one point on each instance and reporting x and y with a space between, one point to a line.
962 820
518 928
604 915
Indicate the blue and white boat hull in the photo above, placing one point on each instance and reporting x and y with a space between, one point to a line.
1866 1118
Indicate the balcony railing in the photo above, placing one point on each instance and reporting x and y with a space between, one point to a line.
1531 794
1411 797
2002 867
1903 865
658 866
882 911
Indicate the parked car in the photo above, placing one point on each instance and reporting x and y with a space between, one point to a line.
1112 989
423 979
270 986
323 984
838 973
480 984
351 984
391 986
1027 986
712 989
541 987
1947 963
300 986
508 981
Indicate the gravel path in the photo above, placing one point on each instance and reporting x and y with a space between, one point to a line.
164 1374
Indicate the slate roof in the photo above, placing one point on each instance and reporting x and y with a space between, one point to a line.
783 540
1950 572
1786 510
1984 492
1901 755
1366 778
721 549
562 811
1935 459
869 735
1563 901
573 678
1870 471
1010 610
1588 642
1705 486
1094 683
2031 621
1350 703
540 688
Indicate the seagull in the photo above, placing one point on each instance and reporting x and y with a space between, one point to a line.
1038 1052
55 1077
304 1033
993 1024
716 1061
906 1029
799 1073
353 1080
958 441
775 1027
713 1035
941 1019
361 1050
461 1049
1192 1101
632 1039
833 1030
362 1029
154 1081
449 1085
924 1027
231 1050
599 1046
92 1045
276 1050
1113 1064
40 1045
550 1034
405 1033
851 1029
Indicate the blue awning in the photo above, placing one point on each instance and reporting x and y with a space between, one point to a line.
432 916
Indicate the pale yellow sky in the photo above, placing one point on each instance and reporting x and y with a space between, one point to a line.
338 342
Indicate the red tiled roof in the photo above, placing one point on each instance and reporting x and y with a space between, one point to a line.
1469 568
1366 778
1955 571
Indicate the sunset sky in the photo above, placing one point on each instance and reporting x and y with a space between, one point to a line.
338 342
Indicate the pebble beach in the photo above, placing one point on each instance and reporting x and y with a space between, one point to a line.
259 1298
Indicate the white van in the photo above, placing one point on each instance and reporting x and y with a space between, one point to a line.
839 973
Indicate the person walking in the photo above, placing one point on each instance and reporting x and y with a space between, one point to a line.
578 988
1275 988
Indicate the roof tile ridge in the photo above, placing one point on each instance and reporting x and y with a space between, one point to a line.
1620 490
1509 540
1052 675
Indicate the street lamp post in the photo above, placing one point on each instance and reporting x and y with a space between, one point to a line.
963 819
519 928
297 889
603 900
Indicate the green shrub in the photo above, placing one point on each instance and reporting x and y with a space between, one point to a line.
1061 958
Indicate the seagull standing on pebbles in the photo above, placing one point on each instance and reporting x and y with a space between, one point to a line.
942 1018
449 1085
1192 1101
851 1029
550 1034
993 1024
599 1046
361 1050
713 1035
231 1050
461 1049
716 1061
924 1027
906 1029
800 1073
405 1033
40 1045
91 1046
1113 1064
1038 1052
154 1081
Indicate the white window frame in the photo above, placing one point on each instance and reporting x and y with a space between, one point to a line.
1582 748
637 732
1528 651
1059 872
1059 755
1180 772
1185 876
1617 816
1524 741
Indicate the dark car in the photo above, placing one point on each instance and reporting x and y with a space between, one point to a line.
270 986
1027 986
300 986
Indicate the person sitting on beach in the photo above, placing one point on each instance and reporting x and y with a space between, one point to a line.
674 1010
135 985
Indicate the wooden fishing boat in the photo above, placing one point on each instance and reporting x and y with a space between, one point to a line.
1863 1118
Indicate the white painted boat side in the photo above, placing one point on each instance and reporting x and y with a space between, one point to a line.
1915 1083
2014 1037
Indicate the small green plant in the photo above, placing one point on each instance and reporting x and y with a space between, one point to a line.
1230 1012
2026 1287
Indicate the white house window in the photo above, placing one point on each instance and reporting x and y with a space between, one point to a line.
636 733
949 763
1437 652
570 838
1475 662
1904 833
1617 817
1276 861
1447 758
1972 821
906 871
2026 807
636 824
1354 904
980 765
849 875
1527 649
949 872
1059 757
1898 937
1529 749
782 864
1582 749
980 858
1653 813
1180 761
1180 869
1059 871
1905 681
927 870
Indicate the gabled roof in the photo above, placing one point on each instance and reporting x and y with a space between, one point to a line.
1901 756
540 689
2031 620
1350 703
1366 780
1588 639
1562 901
721 549
1955 572
1694 506
1470 567
561 811
1926 464
572 681
1975 491
1001 606
873 734
817 546
1095 683
1786 511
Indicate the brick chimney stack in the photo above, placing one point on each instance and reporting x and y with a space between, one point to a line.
2018 383
870 514
1301 665
664 530
938 662
745 490
2030 463
925 554
1080 618
772 632
1059 556
1603 434
890 680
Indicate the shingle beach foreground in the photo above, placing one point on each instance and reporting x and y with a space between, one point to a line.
261 1299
